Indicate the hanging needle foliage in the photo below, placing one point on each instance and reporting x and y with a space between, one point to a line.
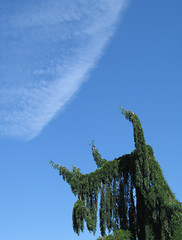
134 195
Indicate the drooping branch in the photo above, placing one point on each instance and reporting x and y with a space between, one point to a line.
133 193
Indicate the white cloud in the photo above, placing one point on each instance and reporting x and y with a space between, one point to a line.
48 49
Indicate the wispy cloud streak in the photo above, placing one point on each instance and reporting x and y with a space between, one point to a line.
47 50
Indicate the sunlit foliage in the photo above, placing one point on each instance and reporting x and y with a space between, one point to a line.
134 195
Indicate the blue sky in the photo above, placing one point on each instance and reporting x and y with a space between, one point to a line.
66 67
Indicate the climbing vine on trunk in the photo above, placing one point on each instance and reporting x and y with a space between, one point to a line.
134 195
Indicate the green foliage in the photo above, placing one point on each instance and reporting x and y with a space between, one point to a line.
117 235
96 155
134 195
79 214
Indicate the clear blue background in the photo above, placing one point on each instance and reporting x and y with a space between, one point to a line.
141 71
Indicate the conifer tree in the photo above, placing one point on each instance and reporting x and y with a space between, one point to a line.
134 195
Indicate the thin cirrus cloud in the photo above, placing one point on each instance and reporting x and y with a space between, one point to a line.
47 50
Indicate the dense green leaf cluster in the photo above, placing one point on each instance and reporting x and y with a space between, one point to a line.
117 235
134 195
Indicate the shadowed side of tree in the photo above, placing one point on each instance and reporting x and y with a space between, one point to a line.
134 195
